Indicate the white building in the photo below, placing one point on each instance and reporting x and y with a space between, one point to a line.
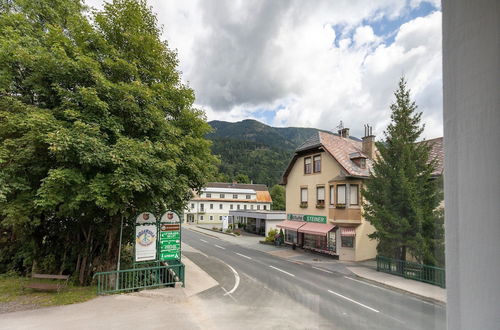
216 200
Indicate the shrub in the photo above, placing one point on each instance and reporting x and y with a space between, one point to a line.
271 234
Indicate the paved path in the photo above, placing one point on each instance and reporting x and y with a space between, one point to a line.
335 300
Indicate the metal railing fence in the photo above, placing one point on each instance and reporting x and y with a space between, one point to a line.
407 269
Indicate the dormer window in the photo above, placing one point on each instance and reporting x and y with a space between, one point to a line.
359 159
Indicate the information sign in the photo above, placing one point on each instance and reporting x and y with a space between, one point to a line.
145 242
170 237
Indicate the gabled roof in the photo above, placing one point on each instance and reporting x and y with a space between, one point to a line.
256 187
339 148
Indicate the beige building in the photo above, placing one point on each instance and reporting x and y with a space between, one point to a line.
216 200
323 194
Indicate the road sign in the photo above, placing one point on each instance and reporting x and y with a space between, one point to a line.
170 237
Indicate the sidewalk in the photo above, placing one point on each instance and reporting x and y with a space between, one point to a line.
420 289
364 269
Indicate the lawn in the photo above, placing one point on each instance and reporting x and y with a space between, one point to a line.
12 293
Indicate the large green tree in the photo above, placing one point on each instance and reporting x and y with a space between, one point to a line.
278 195
95 126
401 196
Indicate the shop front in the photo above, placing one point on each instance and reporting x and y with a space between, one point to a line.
310 232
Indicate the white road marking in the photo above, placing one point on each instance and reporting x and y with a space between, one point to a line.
228 294
244 256
201 239
323 270
236 278
281 270
354 301
220 247
389 290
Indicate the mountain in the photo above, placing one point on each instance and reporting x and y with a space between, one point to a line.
250 147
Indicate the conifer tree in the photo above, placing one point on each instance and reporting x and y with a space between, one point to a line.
401 197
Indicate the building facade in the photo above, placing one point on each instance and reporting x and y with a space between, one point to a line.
323 194
214 202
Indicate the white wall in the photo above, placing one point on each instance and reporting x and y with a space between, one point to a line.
471 78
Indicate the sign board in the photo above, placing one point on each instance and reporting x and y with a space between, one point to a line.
170 236
145 242
225 222
145 217
307 218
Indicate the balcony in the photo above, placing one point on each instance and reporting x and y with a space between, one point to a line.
345 215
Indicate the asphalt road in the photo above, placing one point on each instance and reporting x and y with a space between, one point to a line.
301 295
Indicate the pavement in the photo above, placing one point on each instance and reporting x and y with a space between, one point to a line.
365 269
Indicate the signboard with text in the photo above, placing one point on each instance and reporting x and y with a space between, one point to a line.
307 218
170 237
145 242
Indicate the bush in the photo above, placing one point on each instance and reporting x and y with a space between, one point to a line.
271 234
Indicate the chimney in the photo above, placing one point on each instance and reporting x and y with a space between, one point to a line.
369 142
344 132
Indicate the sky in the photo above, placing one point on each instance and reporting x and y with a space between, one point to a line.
307 63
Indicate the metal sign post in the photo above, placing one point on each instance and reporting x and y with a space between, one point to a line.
170 237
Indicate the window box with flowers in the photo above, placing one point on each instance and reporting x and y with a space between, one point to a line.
320 205
340 206
303 205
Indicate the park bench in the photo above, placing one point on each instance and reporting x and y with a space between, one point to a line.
59 282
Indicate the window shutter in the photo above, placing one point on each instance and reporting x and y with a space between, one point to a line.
332 200
303 197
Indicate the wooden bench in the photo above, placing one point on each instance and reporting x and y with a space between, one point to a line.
62 281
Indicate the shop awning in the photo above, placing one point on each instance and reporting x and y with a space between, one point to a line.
290 225
316 228
347 231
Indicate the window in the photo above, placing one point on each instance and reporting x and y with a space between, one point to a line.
220 206
258 207
222 196
201 217
211 206
332 195
245 206
248 196
251 207
317 164
211 217
347 241
265 207
202 207
238 207
307 165
235 196
341 194
362 163
209 195
220 217
320 196
353 194
303 195
231 206
192 205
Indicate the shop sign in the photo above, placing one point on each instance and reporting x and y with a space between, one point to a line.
307 218
145 242
170 237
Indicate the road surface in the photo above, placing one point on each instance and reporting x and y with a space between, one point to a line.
298 295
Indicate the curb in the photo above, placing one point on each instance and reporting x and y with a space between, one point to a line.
201 232
216 231
393 288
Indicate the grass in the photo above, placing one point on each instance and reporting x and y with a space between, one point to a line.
11 290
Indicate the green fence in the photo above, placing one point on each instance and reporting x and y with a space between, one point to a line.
412 270
139 278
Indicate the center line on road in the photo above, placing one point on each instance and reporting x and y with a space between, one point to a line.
201 239
281 270
220 247
354 301
244 256
323 270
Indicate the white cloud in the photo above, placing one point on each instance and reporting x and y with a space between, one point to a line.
321 61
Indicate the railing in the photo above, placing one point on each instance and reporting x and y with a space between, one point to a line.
139 278
423 273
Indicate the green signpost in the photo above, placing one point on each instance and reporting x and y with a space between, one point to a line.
170 237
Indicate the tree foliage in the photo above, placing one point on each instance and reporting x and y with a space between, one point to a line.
95 126
401 196
278 195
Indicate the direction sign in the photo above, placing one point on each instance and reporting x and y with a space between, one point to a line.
170 237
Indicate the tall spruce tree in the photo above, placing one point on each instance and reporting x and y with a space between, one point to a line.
401 197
